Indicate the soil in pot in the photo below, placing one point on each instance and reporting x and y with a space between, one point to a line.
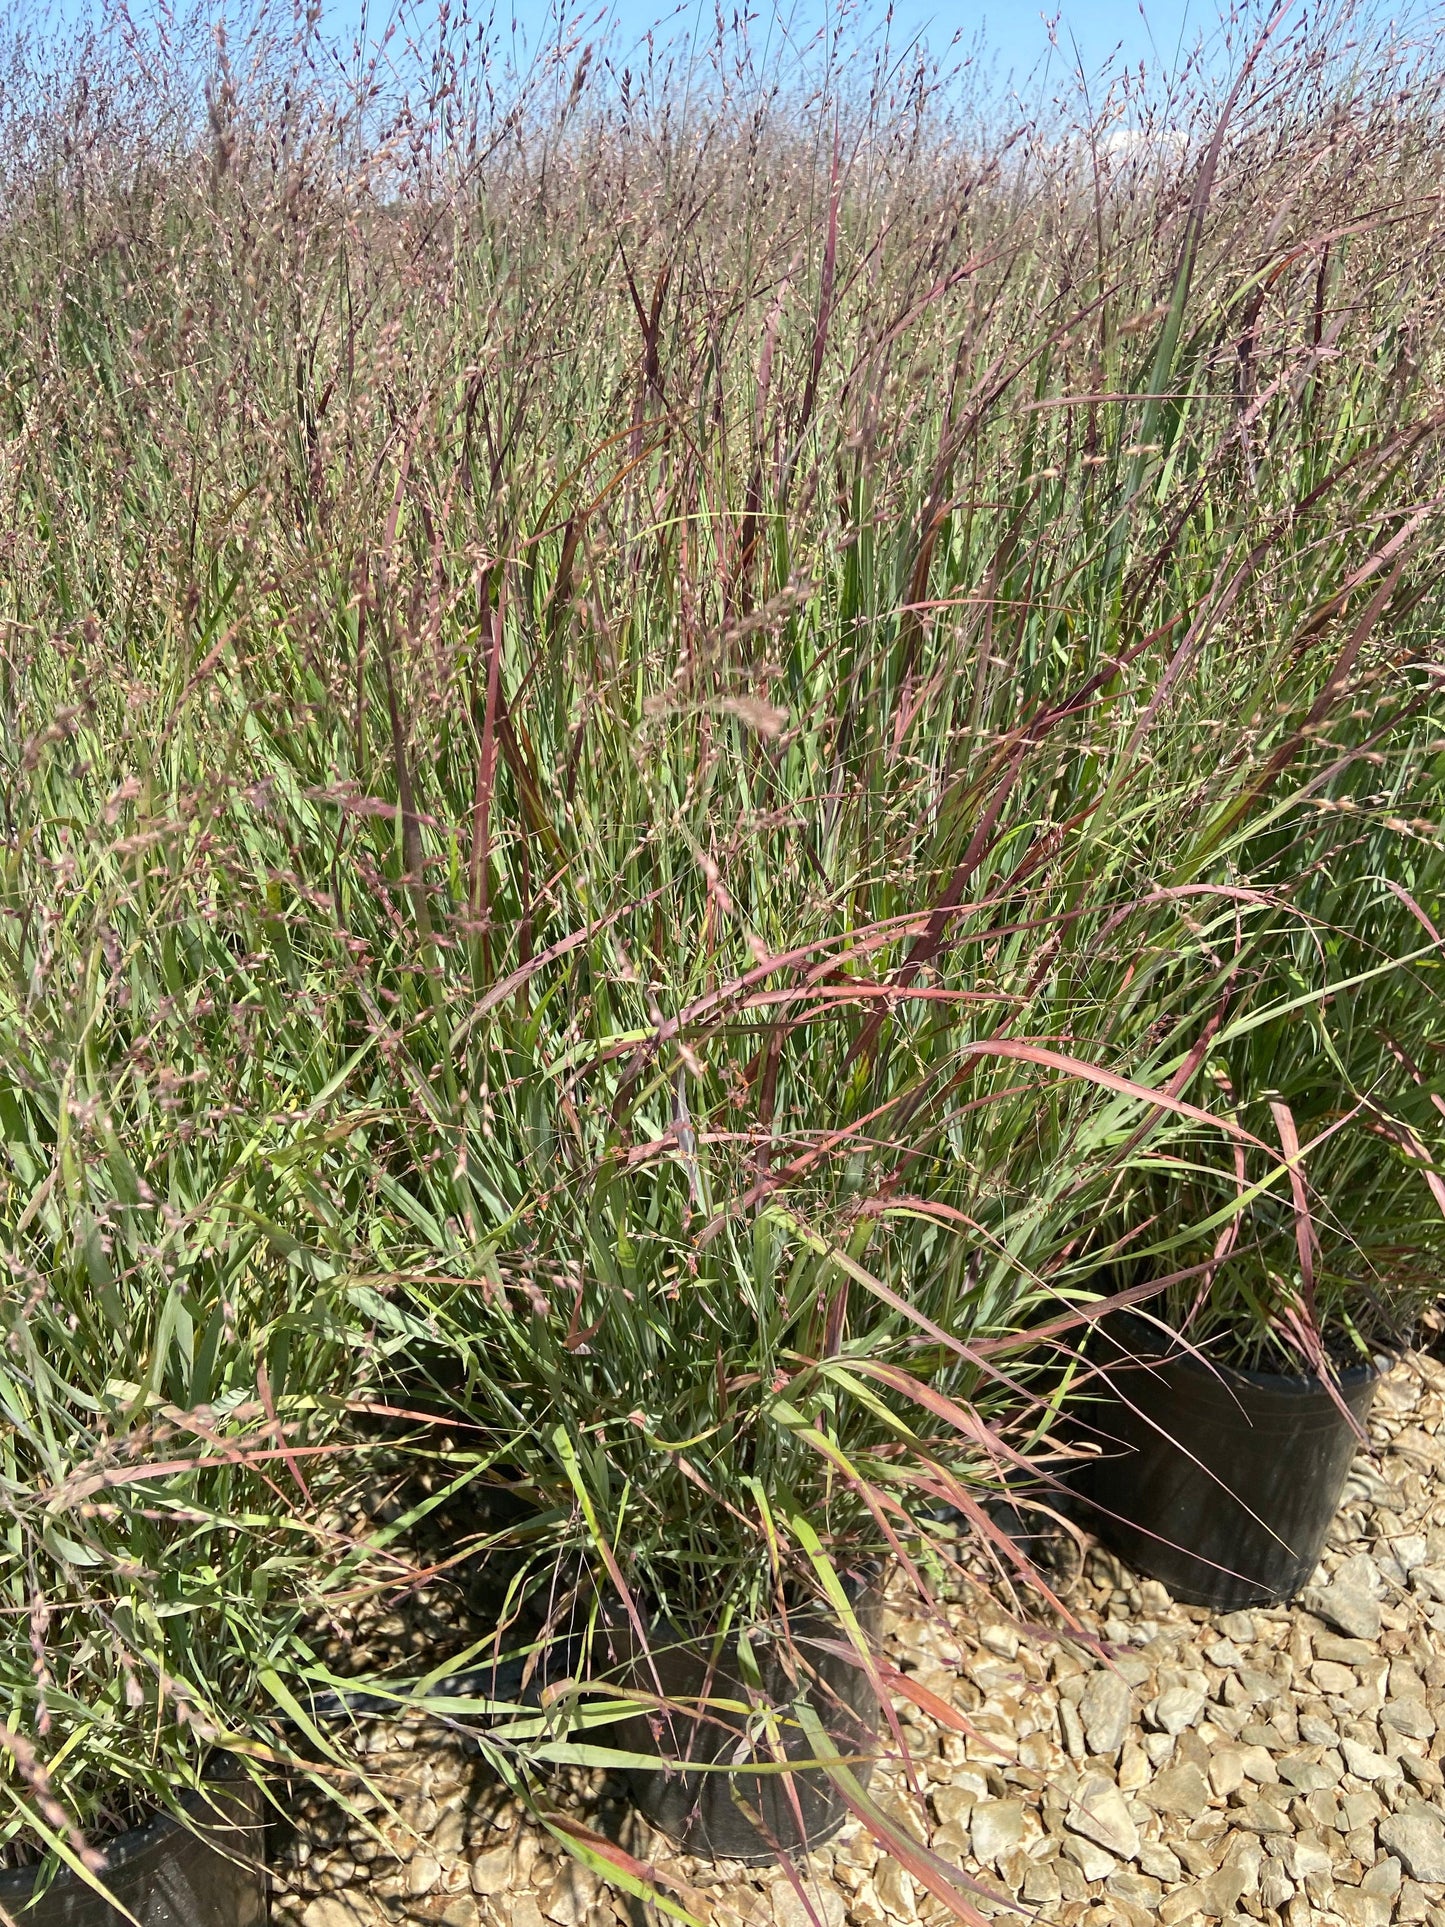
1218 1482
745 1814
163 1873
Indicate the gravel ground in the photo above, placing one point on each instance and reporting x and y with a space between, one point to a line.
1281 1766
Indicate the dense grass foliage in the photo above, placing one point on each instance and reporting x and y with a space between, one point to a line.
681 760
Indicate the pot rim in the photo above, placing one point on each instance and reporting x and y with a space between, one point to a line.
1298 1383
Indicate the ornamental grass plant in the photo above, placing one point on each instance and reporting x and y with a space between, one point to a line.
685 745
176 1353
1314 1240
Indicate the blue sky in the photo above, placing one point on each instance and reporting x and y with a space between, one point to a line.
1015 32
1020 43
1016 43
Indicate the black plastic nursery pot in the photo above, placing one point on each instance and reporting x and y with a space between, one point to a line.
163 1873
746 1814
1220 1483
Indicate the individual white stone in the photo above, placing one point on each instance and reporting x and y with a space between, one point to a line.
1246 1855
829 1908
1332 1678
1366 1764
1265 1818
1417 1840
1160 1861
420 1812
1237 1626
1405 1681
1106 1708
1306 1854
1383 1878
1226 1770
1223 1653
1413 1904
1349 1652
894 1887
1177 1709
1350 1609
954 1802
1359 1572
1042 1885
1276 1889
1098 1811
1412 1717
1357 1908
1184 1904
997 1825
422 1874
1181 1790
492 1873
1359 1810
448 1834
1137 1888
1221 1892
1134 1769
1304 1774
1317 1732
1425 1773
1092 1861
1259 1765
